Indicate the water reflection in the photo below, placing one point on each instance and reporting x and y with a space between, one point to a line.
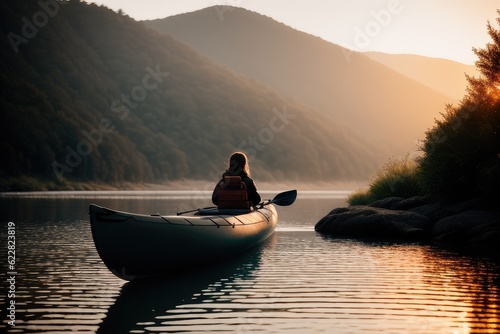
61 284
143 305
471 284
302 282
434 290
42 210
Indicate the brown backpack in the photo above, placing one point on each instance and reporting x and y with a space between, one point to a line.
232 194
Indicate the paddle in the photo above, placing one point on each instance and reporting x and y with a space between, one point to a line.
282 199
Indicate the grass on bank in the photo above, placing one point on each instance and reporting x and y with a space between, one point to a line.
398 177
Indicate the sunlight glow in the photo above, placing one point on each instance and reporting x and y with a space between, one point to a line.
426 28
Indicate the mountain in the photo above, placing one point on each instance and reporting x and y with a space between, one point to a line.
443 75
389 109
92 95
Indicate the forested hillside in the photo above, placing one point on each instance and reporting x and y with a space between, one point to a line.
92 95
388 108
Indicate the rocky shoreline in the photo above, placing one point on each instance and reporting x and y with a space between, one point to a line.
470 226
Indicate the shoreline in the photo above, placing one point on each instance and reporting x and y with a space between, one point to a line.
471 226
194 185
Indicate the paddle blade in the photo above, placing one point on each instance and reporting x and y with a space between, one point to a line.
285 198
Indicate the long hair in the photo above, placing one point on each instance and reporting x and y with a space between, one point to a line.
238 165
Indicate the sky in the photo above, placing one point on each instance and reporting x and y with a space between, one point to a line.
435 28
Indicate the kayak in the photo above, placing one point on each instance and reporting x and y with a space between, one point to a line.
135 246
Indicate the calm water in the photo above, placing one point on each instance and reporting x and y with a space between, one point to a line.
297 282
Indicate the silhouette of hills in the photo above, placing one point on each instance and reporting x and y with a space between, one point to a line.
390 109
92 95
443 75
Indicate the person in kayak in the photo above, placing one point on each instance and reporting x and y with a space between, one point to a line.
236 189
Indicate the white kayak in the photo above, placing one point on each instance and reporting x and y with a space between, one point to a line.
135 245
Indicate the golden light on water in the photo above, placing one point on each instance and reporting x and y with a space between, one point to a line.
299 282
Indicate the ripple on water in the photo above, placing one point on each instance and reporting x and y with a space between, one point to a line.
305 284
298 282
61 285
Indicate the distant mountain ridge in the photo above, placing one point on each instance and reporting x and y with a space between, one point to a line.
390 109
443 75
97 96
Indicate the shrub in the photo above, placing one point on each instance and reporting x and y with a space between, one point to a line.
397 178
360 198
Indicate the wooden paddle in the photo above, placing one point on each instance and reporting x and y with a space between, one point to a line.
285 198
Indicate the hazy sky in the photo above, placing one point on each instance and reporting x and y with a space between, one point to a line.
436 28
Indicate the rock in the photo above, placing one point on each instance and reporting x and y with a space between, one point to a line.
387 203
472 229
370 222
399 203
412 202
436 211
453 209
472 225
433 211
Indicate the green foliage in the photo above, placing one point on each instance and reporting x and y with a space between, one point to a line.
360 198
462 152
397 178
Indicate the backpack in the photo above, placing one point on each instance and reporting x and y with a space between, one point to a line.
232 194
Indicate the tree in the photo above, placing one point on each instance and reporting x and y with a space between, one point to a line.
462 152
489 58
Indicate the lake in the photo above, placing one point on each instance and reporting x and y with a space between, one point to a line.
296 282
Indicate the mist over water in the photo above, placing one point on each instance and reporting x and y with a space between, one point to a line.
296 282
